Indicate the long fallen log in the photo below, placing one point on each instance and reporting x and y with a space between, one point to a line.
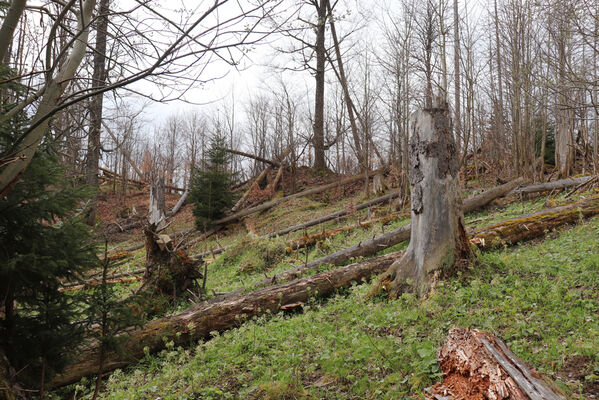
198 322
479 365
534 225
549 186
478 201
335 215
272 203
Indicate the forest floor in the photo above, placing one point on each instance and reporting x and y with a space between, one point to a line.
540 297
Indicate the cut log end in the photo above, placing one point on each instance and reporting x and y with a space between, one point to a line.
477 365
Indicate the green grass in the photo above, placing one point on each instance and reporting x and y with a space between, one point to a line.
541 299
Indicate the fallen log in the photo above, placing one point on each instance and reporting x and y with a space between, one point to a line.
260 178
199 321
533 225
549 186
272 203
478 365
335 215
480 200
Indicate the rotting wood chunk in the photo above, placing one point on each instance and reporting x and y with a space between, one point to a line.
477 366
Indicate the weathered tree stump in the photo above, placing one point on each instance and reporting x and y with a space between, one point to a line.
478 365
169 271
437 237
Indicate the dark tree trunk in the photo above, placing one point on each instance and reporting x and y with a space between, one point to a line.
95 107
437 238
318 139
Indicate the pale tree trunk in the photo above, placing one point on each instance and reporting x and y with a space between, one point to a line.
320 49
52 93
95 108
11 20
437 237
456 65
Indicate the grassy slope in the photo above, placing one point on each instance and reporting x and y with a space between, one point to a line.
541 299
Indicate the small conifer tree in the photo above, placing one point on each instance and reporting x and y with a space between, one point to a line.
211 188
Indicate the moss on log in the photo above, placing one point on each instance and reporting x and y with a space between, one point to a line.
533 225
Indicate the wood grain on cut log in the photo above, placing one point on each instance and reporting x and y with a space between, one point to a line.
534 225
199 321
437 237
477 365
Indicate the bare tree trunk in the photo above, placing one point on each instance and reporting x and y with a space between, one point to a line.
318 138
95 109
11 20
437 237
456 65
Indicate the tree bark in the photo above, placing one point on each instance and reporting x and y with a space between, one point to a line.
95 109
199 321
478 365
437 238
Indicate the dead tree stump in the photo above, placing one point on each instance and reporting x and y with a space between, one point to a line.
437 237
169 270
478 365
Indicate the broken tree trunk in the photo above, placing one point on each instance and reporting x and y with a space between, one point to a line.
548 186
438 238
168 270
180 203
478 365
534 225
262 177
199 321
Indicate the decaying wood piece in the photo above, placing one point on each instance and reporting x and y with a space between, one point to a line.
199 321
478 365
548 186
437 238
534 225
